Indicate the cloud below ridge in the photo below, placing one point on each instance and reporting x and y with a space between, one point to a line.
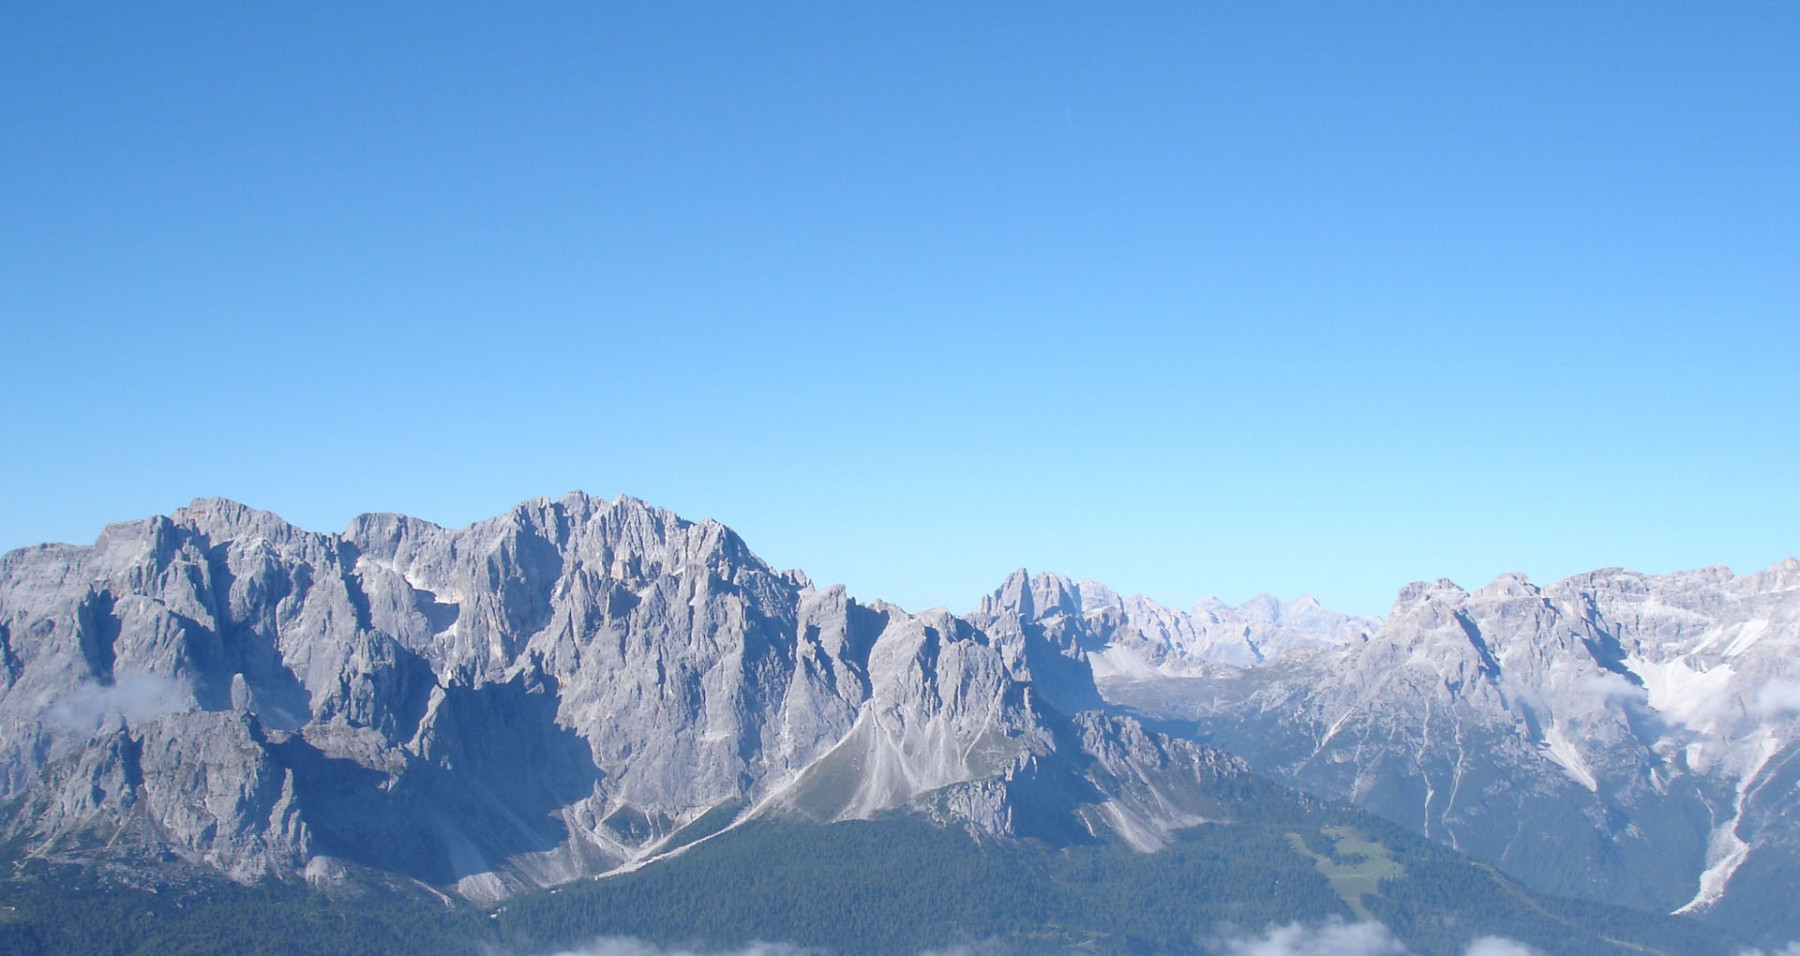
1778 697
1338 938
136 699
1331 938
631 946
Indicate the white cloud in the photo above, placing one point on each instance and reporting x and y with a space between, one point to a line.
1779 697
1498 946
990 948
1337 938
1334 938
628 946
136 698
1609 686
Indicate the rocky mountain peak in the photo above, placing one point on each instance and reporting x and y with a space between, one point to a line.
1512 584
1013 596
552 692
1783 575
1441 592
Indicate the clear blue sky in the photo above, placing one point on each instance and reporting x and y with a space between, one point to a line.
1189 298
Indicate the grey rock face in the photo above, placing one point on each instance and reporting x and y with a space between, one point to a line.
1615 735
571 687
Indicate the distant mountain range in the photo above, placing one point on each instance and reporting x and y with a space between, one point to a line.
584 687
1616 736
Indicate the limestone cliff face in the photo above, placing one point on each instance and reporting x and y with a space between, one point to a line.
567 688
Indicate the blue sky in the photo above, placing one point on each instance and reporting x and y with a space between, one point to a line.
1189 298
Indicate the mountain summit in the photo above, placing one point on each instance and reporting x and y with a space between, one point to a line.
572 687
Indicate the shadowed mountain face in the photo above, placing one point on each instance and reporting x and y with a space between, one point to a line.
573 686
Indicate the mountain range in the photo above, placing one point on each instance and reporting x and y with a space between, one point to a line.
584 687
1615 735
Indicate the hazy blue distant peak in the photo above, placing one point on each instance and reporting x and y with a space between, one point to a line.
1620 735
1135 633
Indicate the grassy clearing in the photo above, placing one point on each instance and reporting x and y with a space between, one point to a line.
1355 868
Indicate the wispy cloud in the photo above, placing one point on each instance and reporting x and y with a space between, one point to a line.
629 946
1334 938
1779 697
1337 938
1610 686
1498 946
136 698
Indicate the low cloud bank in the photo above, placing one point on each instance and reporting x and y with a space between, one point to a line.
629 946
1337 938
1332 938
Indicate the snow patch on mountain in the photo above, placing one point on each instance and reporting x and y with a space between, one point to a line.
1694 698
1561 749
1726 850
